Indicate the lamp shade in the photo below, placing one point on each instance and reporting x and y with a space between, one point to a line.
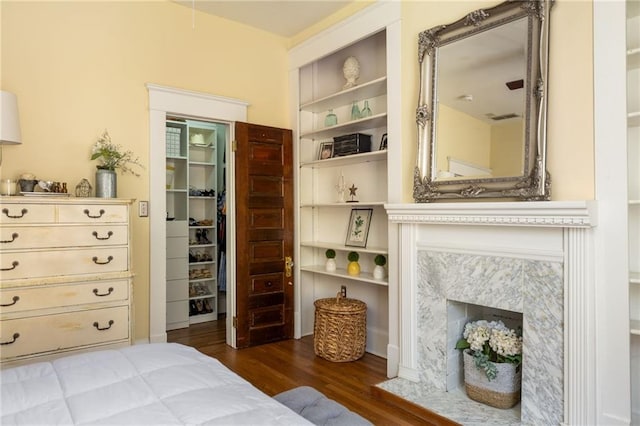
9 119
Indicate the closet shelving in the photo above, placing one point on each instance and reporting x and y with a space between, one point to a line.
191 223
633 183
633 150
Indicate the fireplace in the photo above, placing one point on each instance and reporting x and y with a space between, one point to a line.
526 262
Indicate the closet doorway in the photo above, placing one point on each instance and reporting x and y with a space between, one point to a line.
196 221
167 104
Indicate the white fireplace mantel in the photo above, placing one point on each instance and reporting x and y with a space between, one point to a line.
563 214
560 229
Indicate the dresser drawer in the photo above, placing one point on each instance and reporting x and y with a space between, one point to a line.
15 237
30 298
22 213
32 335
46 263
87 213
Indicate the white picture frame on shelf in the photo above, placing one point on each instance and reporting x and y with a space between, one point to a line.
358 230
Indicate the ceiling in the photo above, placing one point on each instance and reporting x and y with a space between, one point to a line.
284 18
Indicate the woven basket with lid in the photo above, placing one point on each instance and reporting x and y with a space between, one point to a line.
340 329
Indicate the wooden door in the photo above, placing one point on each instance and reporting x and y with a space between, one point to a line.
264 234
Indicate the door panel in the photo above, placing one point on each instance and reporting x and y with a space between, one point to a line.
264 234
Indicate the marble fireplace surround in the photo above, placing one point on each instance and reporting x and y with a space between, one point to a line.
529 257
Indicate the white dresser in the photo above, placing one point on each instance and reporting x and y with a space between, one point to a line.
65 276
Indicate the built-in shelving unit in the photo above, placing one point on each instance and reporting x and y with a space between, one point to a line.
323 212
191 190
633 183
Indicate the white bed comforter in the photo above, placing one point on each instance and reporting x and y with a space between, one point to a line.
155 384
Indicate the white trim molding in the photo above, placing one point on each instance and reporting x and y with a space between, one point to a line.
539 213
556 231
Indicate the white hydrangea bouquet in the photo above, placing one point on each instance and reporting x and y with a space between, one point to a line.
489 343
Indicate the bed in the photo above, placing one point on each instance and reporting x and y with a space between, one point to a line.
155 384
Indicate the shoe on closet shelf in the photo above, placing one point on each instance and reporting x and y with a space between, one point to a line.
207 306
193 310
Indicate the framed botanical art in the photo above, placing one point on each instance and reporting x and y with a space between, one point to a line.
358 230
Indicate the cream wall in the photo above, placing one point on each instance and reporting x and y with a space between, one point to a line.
462 137
570 120
507 154
80 67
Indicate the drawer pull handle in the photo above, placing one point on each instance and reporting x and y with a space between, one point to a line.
95 291
13 238
96 325
15 300
95 234
15 337
269 284
88 213
14 264
22 213
97 262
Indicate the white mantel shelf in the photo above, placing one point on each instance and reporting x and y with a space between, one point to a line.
562 214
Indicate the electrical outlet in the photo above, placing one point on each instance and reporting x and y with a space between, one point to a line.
343 290
143 208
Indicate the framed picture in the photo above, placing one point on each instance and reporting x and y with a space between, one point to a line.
383 142
325 151
358 230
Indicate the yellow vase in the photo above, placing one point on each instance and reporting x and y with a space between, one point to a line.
353 268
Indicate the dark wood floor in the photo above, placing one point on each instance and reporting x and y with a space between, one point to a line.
280 366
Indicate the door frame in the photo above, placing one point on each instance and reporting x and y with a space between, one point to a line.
165 101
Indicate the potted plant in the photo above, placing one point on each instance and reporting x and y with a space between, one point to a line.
492 363
378 270
353 268
111 158
330 265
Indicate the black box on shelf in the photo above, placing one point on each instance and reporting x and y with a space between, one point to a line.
354 143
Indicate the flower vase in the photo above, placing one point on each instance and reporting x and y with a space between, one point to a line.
106 183
378 272
501 392
330 266
353 269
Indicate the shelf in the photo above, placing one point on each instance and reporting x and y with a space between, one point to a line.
365 157
368 90
201 163
634 277
342 247
208 262
195 319
342 273
633 58
633 119
378 120
179 157
204 296
201 280
177 191
200 226
635 327
350 205
634 202
201 245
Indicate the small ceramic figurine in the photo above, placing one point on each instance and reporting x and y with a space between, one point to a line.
83 189
351 71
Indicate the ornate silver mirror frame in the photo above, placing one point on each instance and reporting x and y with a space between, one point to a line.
533 181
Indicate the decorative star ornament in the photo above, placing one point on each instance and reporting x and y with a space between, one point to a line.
352 193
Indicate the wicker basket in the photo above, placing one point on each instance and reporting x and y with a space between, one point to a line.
501 392
340 329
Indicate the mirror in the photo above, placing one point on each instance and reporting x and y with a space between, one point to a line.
482 106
